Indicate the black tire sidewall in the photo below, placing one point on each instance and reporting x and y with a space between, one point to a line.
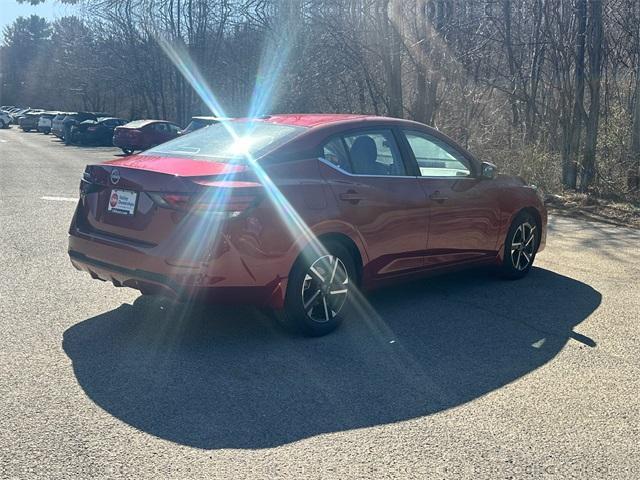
294 316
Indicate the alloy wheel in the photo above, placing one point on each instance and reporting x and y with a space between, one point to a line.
523 244
325 288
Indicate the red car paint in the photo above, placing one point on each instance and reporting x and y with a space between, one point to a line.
400 226
175 166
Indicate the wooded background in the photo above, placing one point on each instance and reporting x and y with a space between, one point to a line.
548 89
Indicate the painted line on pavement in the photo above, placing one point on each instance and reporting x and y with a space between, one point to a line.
60 199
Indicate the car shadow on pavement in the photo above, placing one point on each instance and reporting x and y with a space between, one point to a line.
215 378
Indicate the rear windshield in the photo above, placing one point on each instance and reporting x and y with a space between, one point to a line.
137 123
217 143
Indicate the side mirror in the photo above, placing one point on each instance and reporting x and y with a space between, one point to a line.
488 170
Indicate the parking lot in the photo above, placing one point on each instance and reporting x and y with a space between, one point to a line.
462 376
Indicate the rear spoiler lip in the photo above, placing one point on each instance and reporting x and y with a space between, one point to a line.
176 166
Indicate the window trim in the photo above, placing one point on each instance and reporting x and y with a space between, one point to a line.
454 150
340 140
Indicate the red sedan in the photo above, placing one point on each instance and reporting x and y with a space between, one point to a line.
296 212
143 134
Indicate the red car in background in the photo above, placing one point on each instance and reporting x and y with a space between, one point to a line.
298 212
143 134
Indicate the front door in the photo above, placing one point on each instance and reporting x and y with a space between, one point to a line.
464 213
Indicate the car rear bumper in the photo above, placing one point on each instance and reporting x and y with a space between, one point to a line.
126 143
228 278
271 295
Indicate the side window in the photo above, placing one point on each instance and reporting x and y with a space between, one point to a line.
435 158
375 153
160 127
335 153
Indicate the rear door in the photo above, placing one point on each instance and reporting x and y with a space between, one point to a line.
173 131
378 195
464 209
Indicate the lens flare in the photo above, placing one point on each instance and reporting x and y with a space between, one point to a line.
209 227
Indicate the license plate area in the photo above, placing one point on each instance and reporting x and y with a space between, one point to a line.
122 202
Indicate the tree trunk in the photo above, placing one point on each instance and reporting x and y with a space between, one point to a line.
633 175
569 168
508 42
593 118
391 60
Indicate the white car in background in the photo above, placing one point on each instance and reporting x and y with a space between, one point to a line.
5 119
44 122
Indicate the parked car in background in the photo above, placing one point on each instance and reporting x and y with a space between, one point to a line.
74 119
143 134
200 122
29 121
5 120
57 123
44 122
96 132
8 108
18 114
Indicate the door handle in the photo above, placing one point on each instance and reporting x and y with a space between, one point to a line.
438 197
351 196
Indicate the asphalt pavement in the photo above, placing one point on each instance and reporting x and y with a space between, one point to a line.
461 376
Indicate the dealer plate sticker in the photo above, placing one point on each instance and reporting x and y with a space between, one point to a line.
122 202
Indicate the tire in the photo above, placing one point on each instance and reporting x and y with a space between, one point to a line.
127 151
520 246
312 307
2 124
26 129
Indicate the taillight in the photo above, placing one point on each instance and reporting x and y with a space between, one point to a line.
171 200
125 131
232 204
88 183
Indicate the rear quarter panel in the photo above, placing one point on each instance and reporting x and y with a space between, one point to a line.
296 209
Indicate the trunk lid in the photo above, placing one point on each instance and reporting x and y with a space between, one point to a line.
143 181
126 134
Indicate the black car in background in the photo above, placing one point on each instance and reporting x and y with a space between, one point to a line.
96 132
74 119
